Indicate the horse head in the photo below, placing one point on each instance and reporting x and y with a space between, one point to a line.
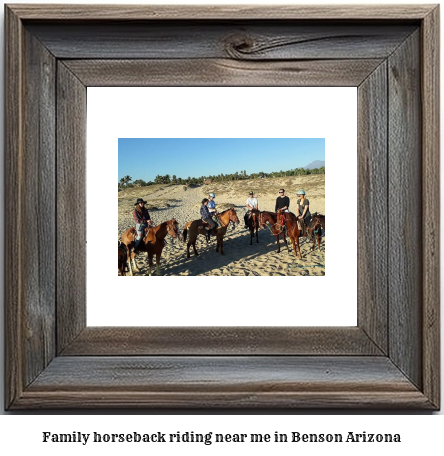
173 229
261 220
233 218
265 218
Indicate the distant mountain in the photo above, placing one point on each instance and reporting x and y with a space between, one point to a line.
315 164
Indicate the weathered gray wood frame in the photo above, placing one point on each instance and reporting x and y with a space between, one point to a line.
390 360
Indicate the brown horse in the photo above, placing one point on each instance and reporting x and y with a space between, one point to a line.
153 243
253 224
197 227
315 227
269 219
293 231
123 257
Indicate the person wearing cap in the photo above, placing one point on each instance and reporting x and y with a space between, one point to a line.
303 206
212 207
206 217
142 219
212 204
251 204
282 202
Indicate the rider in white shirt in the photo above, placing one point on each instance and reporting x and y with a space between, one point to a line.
251 204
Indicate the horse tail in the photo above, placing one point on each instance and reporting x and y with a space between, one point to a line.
184 234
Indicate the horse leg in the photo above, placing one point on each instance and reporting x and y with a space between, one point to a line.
217 244
279 245
286 243
257 234
222 246
188 249
128 260
194 248
251 236
158 264
135 268
150 263
294 246
299 249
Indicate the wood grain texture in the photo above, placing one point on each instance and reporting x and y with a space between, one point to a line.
430 94
405 214
220 12
372 200
38 223
259 40
234 382
126 341
29 204
221 72
71 206
13 207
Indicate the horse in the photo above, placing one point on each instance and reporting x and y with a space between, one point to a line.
198 227
253 224
153 243
316 225
290 221
269 219
123 257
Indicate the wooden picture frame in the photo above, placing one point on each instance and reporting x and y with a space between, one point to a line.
390 360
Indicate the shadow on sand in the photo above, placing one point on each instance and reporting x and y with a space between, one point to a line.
235 248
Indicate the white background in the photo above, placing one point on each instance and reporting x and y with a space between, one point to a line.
211 112
20 434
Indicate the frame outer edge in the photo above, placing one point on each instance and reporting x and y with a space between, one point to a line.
220 12
13 206
14 170
431 203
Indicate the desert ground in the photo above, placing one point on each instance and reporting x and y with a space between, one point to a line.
241 259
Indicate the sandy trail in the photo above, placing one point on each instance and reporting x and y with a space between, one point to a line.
241 258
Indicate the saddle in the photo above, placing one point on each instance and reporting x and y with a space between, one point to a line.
206 225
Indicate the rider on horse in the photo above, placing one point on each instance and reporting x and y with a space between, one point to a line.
251 204
212 207
282 205
142 219
303 209
206 217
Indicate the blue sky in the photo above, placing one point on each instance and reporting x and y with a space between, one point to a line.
144 158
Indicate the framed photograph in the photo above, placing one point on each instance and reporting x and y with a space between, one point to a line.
55 358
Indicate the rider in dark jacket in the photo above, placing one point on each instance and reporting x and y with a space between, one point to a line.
142 219
206 217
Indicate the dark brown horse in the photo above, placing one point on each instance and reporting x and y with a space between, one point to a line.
153 243
196 227
123 258
315 227
253 224
268 220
